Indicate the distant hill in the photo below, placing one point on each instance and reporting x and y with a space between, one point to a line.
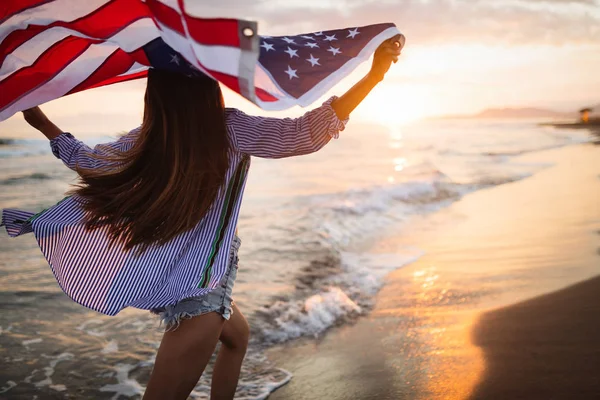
528 112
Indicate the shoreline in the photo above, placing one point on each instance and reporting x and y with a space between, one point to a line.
489 251
592 126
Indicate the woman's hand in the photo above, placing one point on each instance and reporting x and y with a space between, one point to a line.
386 53
36 118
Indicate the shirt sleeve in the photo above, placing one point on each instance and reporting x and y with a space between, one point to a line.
76 154
284 137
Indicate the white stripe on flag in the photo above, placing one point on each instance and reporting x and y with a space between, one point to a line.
68 10
135 68
71 76
25 55
263 80
174 4
135 35
131 38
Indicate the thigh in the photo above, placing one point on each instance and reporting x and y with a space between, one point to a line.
235 332
183 355
194 333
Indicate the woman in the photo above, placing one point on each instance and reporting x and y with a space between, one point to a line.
152 222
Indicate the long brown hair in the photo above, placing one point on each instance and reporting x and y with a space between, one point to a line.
168 180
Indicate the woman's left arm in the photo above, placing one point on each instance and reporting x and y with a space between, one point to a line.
72 152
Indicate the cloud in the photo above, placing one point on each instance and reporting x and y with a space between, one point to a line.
556 22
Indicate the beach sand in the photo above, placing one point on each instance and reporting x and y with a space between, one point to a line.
504 305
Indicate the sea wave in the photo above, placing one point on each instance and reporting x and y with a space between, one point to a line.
35 176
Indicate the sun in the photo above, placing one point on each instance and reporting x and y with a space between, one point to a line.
396 104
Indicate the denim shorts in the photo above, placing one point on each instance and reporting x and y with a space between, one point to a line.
218 300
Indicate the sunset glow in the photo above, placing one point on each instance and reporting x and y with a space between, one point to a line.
460 57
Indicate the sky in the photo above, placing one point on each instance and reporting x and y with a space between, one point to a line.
460 57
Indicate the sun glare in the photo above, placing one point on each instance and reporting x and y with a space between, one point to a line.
396 105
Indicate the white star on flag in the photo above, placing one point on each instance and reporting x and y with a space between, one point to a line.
312 45
306 37
313 61
288 40
174 59
291 52
330 38
353 32
333 50
291 72
318 33
267 46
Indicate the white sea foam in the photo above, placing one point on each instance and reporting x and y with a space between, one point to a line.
48 372
258 378
110 347
9 385
92 332
364 273
31 341
125 385
285 320
361 277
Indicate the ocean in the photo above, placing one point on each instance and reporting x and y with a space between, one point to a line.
309 259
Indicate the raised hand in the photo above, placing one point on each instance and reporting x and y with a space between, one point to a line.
386 53
37 119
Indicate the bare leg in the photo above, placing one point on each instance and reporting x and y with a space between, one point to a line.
182 357
234 342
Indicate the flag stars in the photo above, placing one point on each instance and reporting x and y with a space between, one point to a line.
174 59
330 38
334 50
312 45
318 33
291 52
353 32
267 46
313 61
291 72
288 40
306 37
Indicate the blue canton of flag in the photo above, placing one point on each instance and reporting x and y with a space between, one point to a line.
299 63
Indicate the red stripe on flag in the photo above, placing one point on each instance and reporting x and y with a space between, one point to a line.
166 16
102 23
212 32
47 66
140 56
117 63
215 32
264 95
124 78
8 8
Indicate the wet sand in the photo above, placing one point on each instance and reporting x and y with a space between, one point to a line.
547 347
503 305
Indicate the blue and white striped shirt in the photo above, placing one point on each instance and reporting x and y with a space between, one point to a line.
108 278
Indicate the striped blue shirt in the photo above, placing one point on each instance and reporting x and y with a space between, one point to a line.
108 278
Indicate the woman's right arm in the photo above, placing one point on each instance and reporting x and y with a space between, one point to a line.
72 152
284 137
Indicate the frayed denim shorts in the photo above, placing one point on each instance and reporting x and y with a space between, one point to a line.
218 300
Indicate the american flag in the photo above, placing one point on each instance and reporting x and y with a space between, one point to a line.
53 48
